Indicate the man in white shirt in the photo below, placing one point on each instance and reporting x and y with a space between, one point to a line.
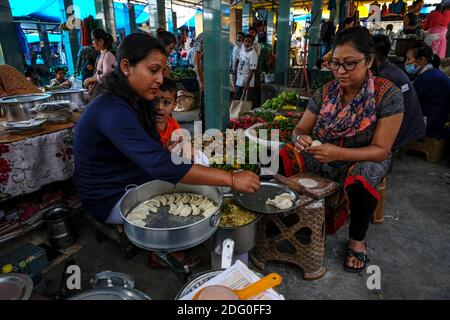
245 67
237 48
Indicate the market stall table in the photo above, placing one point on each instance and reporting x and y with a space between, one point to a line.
30 161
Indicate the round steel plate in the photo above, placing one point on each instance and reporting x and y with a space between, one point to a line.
15 286
256 202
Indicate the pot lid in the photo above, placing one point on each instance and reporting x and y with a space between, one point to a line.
24 98
15 286
112 279
114 293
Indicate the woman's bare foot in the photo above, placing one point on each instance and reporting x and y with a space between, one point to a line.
352 261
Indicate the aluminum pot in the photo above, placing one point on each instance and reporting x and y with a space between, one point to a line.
60 231
244 237
18 108
77 96
170 238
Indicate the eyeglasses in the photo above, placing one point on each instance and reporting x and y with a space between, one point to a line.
347 65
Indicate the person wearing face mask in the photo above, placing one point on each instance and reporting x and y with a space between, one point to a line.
432 86
237 48
356 118
245 68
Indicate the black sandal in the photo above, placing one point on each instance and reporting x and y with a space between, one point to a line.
361 256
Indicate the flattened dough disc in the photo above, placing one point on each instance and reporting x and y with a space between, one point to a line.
308 183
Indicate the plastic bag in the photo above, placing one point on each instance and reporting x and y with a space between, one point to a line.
185 101
76 83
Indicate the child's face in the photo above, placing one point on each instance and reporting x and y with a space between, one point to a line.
165 106
60 74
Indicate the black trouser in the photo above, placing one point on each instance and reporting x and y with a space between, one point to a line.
240 91
362 206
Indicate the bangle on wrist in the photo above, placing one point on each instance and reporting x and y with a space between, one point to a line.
232 180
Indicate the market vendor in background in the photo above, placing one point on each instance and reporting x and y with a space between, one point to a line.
413 125
411 22
116 140
106 62
170 42
432 86
347 23
13 83
356 118
436 25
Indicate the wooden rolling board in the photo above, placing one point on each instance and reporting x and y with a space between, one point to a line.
46 129
324 188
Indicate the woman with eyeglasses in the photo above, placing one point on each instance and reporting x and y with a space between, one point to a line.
356 118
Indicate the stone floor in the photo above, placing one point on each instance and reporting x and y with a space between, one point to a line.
411 248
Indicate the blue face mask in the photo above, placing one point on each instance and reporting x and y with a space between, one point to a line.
411 68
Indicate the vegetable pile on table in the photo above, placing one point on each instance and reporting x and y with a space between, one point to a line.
183 73
249 119
283 124
287 100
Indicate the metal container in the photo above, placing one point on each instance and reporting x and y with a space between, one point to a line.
111 293
112 279
244 237
15 286
196 230
77 96
18 108
60 231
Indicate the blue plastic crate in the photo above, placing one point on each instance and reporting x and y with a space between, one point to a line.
22 253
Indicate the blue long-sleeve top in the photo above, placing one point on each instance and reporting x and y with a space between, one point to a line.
112 150
433 90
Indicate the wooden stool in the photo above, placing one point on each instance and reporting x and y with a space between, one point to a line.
298 238
432 148
115 233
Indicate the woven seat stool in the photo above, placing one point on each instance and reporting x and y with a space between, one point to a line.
298 238
115 233
432 148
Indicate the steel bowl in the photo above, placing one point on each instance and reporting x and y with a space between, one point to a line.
18 108
111 293
171 238
77 96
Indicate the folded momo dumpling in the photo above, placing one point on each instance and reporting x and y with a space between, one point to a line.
178 197
209 211
284 204
152 209
199 201
161 199
186 198
179 209
186 211
170 198
195 210
205 203
287 195
172 208
137 222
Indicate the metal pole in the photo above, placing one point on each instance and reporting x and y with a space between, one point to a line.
283 42
9 45
270 27
246 17
314 33
216 35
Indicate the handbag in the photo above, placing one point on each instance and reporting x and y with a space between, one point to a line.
238 107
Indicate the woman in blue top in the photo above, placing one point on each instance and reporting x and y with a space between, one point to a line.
116 141
432 86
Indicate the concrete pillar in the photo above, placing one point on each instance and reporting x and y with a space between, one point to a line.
9 45
216 35
174 23
157 15
43 36
247 17
105 16
270 27
132 18
235 23
69 38
168 15
314 33
283 42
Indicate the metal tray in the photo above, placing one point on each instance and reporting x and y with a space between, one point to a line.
256 202
15 286
113 293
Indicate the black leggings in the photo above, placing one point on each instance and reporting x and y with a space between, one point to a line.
362 207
